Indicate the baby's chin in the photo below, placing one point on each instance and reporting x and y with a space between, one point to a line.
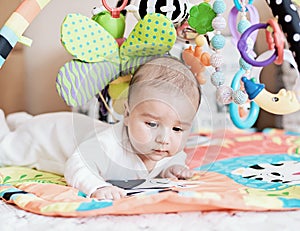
157 155
154 155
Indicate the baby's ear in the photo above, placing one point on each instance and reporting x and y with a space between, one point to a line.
126 112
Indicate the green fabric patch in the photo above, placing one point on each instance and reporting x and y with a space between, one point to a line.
17 175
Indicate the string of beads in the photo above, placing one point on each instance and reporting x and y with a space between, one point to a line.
225 94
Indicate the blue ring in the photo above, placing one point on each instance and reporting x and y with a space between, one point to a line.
233 107
238 4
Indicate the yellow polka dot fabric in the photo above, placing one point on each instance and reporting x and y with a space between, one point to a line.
155 34
87 41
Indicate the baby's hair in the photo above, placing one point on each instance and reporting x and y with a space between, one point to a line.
164 72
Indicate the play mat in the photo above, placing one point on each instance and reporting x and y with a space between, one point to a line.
244 171
237 170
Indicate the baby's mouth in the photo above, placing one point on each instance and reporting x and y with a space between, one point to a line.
159 151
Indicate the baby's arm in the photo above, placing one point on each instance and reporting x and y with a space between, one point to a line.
82 176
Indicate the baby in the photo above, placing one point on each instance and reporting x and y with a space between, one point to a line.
162 102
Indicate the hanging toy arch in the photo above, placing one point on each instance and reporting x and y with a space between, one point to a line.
281 103
284 102
238 114
17 23
103 54
287 13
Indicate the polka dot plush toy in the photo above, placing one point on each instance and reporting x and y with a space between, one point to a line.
99 58
86 40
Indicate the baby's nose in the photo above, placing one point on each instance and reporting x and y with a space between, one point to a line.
162 137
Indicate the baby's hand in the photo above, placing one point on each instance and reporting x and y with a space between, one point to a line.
179 172
109 193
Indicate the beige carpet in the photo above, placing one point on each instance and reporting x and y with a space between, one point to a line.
12 218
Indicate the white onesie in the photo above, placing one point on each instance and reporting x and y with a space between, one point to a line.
86 151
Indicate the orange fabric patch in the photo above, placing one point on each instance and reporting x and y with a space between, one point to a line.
29 10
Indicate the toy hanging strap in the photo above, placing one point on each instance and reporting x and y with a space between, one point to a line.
13 29
288 18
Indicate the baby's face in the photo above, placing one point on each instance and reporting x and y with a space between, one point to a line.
159 128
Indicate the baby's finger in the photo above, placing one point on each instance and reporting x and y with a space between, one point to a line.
100 195
123 193
186 174
196 175
169 174
116 195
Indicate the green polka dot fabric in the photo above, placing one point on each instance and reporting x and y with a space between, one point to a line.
87 41
155 34
98 58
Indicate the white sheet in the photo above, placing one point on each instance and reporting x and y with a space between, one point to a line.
12 218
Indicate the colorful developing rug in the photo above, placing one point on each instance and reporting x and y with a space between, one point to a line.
245 171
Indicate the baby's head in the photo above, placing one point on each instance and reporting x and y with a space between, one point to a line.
166 75
163 99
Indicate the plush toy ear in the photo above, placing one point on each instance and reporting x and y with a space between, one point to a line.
77 82
133 63
87 41
153 35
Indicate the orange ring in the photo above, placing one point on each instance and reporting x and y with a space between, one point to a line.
276 40
115 12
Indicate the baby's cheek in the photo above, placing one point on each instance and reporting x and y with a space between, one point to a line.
141 136
179 143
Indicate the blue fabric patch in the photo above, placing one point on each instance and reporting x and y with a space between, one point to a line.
290 203
2 60
226 167
9 190
9 35
15 196
81 194
93 205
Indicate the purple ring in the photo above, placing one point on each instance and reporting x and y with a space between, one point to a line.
243 48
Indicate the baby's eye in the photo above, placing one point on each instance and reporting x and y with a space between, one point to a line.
177 129
152 124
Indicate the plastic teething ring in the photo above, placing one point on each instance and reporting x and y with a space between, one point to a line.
265 100
254 107
243 48
115 12
276 41
232 22
238 4
233 107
